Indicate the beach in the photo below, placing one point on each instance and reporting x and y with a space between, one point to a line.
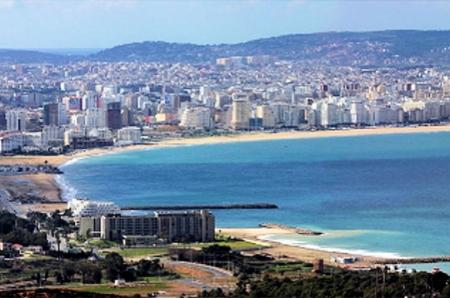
58 160
46 187
284 251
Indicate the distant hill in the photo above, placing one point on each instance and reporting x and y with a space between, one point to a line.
394 47
27 56
342 48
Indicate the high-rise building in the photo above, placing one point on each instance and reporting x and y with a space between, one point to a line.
95 118
265 113
328 116
357 112
114 115
196 118
127 116
89 101
54 114
240 116
16 120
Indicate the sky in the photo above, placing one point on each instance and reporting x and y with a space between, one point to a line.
47 24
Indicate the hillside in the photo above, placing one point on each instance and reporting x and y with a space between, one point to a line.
343 48
395 47
26 56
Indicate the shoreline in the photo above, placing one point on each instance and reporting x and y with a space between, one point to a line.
304 253
66 159
47 184
63 159
363 259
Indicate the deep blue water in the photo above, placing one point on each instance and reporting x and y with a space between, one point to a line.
386 194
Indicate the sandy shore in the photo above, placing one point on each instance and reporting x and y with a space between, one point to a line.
47 188
278 250
241 137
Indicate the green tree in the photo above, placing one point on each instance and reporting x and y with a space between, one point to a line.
90 272
114 265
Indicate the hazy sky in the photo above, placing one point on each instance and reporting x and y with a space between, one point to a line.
105 23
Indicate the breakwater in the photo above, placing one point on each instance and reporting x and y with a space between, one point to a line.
198 207
416 260
13 170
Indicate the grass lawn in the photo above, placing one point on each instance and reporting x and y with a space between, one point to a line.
233 244
141 251
129 289
153 251
290 267
101 244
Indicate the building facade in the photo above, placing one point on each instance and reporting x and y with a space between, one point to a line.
162 226
16 120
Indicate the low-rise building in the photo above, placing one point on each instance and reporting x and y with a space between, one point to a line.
129 135
88 208
12 141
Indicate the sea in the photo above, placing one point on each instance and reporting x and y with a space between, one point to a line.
383 195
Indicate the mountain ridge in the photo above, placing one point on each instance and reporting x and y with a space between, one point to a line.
388 47
341 48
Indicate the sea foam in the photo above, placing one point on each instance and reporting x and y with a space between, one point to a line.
303 244
67 192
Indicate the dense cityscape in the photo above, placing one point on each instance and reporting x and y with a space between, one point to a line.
52 108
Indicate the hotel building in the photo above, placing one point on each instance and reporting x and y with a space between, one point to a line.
162 227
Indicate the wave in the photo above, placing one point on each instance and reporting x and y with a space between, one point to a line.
360 252
73 161
68 192
120 150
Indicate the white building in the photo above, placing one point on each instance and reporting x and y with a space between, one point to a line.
129 135
12 141
78 120
101 133
357 112
89 101
16 120
87 208
95 118
51 134
328 114
196 118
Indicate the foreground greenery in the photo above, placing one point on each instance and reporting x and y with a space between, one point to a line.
141 252
137 252
109 289
343 284
14 229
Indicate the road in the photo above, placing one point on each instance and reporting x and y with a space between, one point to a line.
203 277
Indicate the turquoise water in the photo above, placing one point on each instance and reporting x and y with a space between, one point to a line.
386 195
